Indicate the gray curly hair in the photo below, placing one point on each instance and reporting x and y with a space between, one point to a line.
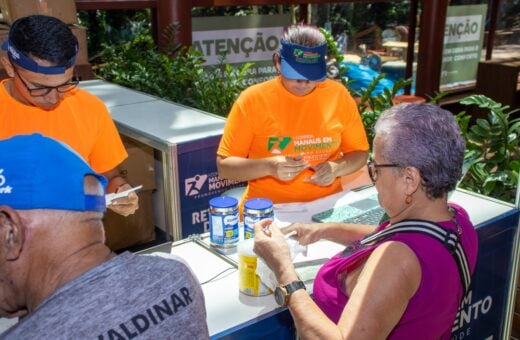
426 137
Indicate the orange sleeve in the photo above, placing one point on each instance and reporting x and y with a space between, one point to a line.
238 133
108 150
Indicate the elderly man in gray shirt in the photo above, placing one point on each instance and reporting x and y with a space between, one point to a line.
55 269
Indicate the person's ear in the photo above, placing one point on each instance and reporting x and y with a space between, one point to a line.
11 233
412 178
8 67
276 62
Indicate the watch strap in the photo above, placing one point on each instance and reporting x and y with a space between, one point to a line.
294 286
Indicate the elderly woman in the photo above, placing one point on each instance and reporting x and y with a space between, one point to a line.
408 285
294 136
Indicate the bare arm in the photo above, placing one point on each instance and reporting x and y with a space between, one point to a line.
342 233
392 263
326 172
245 169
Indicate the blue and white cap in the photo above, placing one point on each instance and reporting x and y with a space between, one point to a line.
302 62
38 172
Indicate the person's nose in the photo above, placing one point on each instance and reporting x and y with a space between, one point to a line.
53 96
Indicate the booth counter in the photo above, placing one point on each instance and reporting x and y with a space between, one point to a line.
233 315
184 140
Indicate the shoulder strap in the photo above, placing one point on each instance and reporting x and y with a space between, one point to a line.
448 238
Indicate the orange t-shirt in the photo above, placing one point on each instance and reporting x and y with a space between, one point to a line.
267 120
81 120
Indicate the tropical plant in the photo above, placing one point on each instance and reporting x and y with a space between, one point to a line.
335 68
371 106
177 74
492 149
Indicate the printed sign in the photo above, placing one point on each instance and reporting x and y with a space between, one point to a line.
241 39
199 182
463 35
484 311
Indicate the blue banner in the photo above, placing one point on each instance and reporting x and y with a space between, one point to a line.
199 182
485 306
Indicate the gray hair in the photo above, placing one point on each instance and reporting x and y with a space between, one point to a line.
426 137
304 35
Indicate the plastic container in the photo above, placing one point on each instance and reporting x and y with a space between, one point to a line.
255 210
248 277
223 222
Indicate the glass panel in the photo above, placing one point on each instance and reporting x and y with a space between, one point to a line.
507 35
372 39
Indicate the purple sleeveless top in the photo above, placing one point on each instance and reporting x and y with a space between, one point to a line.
431 311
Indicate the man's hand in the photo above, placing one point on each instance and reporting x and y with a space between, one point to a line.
13 314
125 205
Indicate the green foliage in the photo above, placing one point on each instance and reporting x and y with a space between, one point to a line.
492 156
238 10
336 56
371 107
218 90
176 74
492 149
113 27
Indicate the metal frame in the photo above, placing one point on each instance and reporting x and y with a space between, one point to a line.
511 293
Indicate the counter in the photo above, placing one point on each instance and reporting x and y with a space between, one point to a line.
232 315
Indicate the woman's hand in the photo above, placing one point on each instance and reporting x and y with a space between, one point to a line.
287 168
306 233
324 174
271 246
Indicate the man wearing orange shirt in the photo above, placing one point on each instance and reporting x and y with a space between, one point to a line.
41 96
294 136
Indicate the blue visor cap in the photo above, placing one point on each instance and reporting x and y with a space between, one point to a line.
303 63
19 58
38 172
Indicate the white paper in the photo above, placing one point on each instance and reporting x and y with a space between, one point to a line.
110 197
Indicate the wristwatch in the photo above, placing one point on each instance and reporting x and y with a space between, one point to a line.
283 293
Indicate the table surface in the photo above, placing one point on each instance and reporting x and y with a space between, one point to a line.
156 119
227 308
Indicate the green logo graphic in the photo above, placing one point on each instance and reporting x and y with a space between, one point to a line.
298 52
282 142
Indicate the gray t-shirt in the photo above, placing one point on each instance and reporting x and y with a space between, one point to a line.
130 296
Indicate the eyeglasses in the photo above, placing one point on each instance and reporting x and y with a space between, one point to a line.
372 169
44 90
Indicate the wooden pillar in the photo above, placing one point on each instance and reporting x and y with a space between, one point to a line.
410 51
493 14
169 11
431 36
304 13
155 29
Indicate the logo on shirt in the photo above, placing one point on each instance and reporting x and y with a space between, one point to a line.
276 145
4 189
193 185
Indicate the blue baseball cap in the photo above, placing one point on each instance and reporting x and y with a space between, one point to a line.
38 172
24 61
302 62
